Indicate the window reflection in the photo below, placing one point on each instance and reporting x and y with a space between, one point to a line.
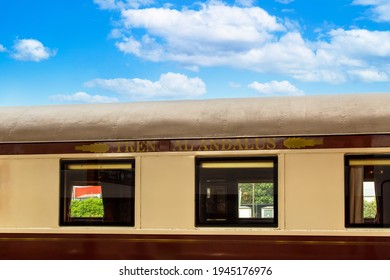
368 191
236 192
97 192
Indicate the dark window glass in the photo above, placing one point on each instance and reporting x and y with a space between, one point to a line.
97 192
236 192
367 190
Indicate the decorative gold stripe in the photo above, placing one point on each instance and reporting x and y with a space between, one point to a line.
362 162
237 165
99 166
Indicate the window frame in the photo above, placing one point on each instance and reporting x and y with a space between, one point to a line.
235 221
347 159
98 222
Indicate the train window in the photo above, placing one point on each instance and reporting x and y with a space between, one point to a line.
367 191
97 192
236 192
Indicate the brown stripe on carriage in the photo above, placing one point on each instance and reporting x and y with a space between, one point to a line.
209 144
121 246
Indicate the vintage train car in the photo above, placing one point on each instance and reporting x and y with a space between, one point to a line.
261 178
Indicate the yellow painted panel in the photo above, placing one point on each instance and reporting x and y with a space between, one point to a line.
29 193
167 192
314 191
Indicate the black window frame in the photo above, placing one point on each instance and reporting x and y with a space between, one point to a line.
347 166
235 221
65 200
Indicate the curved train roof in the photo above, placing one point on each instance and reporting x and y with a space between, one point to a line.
271 116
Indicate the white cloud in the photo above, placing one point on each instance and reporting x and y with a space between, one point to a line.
214 29
380 8
366 2
106 4
360 43
2 48
84 97
370 75
250 38
31 50
245 3
285 1
350 52
170 85
234 85
276 88
130 45
117 4
192 68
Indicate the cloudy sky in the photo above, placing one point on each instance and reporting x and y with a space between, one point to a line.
97 51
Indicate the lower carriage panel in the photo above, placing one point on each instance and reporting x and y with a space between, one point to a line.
123 246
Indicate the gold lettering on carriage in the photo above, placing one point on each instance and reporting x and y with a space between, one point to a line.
136 147
119 147
224 144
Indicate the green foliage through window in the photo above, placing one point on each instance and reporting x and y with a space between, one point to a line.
369 208
87 208
263 193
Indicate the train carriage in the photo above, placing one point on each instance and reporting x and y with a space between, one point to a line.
260 178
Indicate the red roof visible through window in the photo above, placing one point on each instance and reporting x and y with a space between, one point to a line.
86 191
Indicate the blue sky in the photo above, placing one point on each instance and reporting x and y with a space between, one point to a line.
98 51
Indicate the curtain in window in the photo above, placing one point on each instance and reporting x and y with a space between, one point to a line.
385 205
378 199
356 195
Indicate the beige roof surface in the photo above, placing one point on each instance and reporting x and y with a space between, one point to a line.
270 116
